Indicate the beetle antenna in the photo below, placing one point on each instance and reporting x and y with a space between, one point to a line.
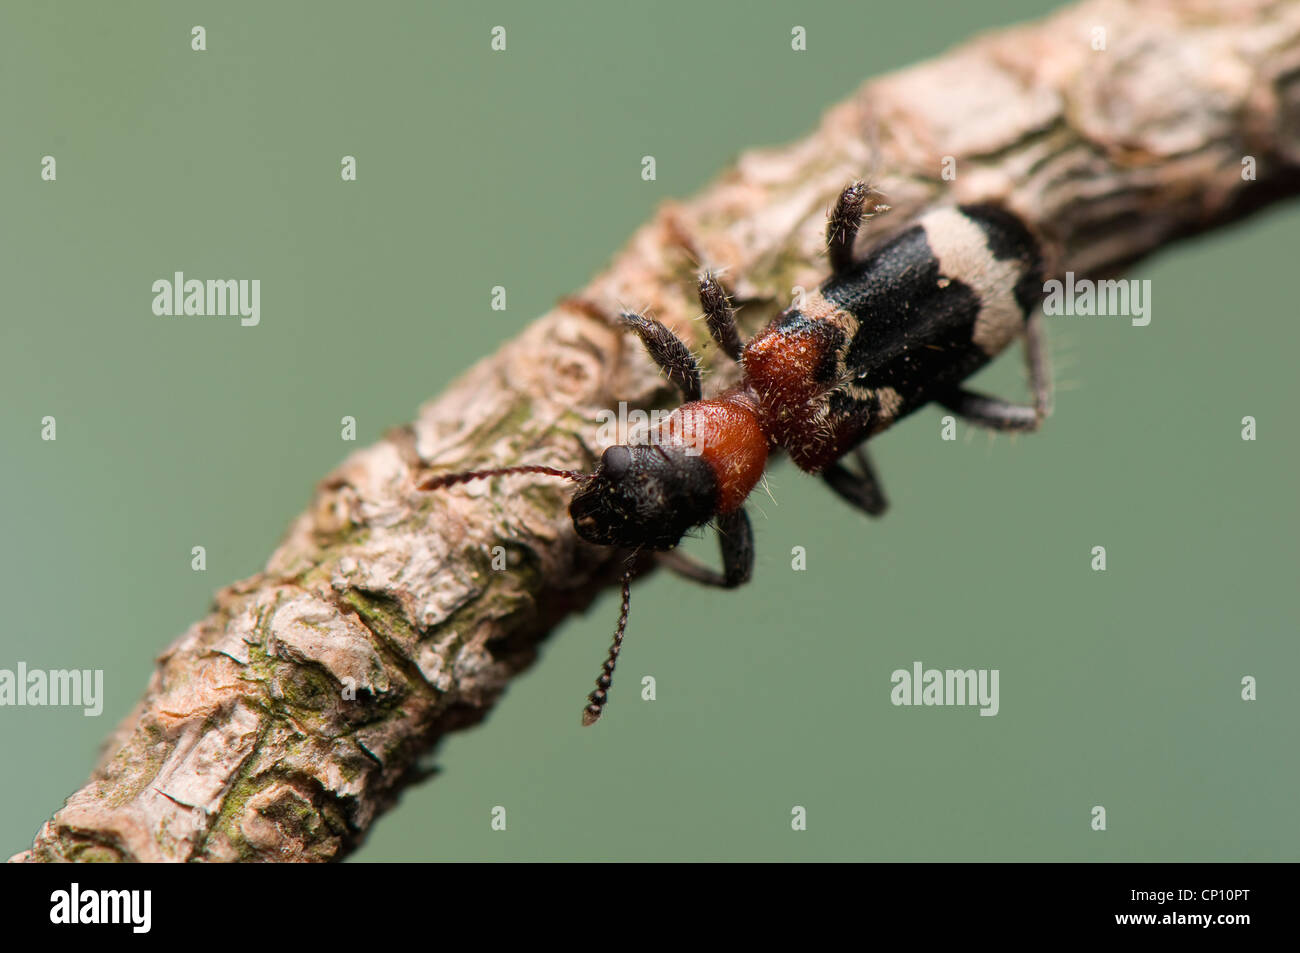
451 479
597 699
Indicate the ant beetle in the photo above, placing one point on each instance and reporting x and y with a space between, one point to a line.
883 336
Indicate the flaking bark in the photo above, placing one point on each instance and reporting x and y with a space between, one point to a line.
245 746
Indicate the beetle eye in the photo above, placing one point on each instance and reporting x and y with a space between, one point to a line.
615 462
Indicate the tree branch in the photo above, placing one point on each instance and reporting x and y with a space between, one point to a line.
249 744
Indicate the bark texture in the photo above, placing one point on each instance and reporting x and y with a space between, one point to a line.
284 723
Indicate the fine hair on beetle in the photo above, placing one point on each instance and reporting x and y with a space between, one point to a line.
884 335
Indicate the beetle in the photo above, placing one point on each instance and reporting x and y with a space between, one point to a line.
881 337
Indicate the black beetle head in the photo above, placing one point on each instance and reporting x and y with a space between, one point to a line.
644 496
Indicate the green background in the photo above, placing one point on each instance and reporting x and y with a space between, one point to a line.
522 169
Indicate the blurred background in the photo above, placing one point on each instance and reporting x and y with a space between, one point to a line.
1120 689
